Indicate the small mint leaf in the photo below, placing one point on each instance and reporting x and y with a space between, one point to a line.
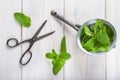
87 31
23 19
65 56
63 45
58 66
49 56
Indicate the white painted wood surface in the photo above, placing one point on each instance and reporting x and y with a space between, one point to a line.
80 66
9 58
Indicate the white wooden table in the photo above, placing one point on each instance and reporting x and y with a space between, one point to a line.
80 66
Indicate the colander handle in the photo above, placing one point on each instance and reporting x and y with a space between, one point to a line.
63 19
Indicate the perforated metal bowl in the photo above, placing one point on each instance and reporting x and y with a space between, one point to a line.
92 22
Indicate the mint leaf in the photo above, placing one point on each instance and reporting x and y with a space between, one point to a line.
54 61
102 48
110 33
55 55
87 31
49 56
63 45
103 41
90 45
23 19
65 56
58 61
63 51
102 37
98 25
58 66
85 39
52 55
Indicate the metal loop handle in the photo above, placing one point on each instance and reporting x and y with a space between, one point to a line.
10 40
30 53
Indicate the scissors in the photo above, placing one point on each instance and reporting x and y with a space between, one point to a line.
31 42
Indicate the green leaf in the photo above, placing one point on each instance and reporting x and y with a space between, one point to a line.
52 55
49 56
23 19
63 45
87 31
58 61
110 33
103 41
90 45
65 56
99 24
102 49
85 38
58 66
102 37
54 61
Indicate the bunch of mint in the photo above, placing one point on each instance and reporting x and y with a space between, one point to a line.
97 39
58 60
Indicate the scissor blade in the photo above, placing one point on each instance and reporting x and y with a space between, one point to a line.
45 35
38 31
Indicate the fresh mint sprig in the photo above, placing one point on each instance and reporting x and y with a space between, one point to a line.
58 60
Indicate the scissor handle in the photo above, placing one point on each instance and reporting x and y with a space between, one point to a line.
12 40
21 59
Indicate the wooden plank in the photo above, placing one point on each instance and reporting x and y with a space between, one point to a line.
39 67
113 58
82 66
9 58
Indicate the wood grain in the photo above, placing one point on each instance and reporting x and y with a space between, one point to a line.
80 66
113 58
9 58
